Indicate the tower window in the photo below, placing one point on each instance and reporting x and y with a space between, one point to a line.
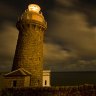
28 25
14 83
34 26
45 82
39 58
38 82
22 26
40 38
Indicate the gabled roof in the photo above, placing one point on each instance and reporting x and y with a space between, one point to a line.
18 72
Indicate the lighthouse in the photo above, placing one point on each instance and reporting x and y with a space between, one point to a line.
28 59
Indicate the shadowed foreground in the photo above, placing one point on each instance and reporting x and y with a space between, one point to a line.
82 90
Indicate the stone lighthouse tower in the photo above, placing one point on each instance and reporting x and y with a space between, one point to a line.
29 49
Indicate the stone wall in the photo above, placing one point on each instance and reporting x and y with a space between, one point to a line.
8 82
29 51
27 81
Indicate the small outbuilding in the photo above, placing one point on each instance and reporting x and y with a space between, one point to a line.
46 78
21 78
17 78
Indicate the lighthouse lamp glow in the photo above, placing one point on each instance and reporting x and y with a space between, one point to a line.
34 8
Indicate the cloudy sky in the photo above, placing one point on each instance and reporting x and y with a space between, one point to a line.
70 40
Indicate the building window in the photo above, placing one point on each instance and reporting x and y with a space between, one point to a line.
14 83
38 82
45 82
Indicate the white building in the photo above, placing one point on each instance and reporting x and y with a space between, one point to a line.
46 78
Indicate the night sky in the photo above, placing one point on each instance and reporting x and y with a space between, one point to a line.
70 40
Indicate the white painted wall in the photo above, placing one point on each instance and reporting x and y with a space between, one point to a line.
46 78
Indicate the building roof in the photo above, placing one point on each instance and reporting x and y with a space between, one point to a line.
18 72
46 72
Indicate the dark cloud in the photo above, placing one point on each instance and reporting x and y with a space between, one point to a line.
73 29
70 29
8 39
7 13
